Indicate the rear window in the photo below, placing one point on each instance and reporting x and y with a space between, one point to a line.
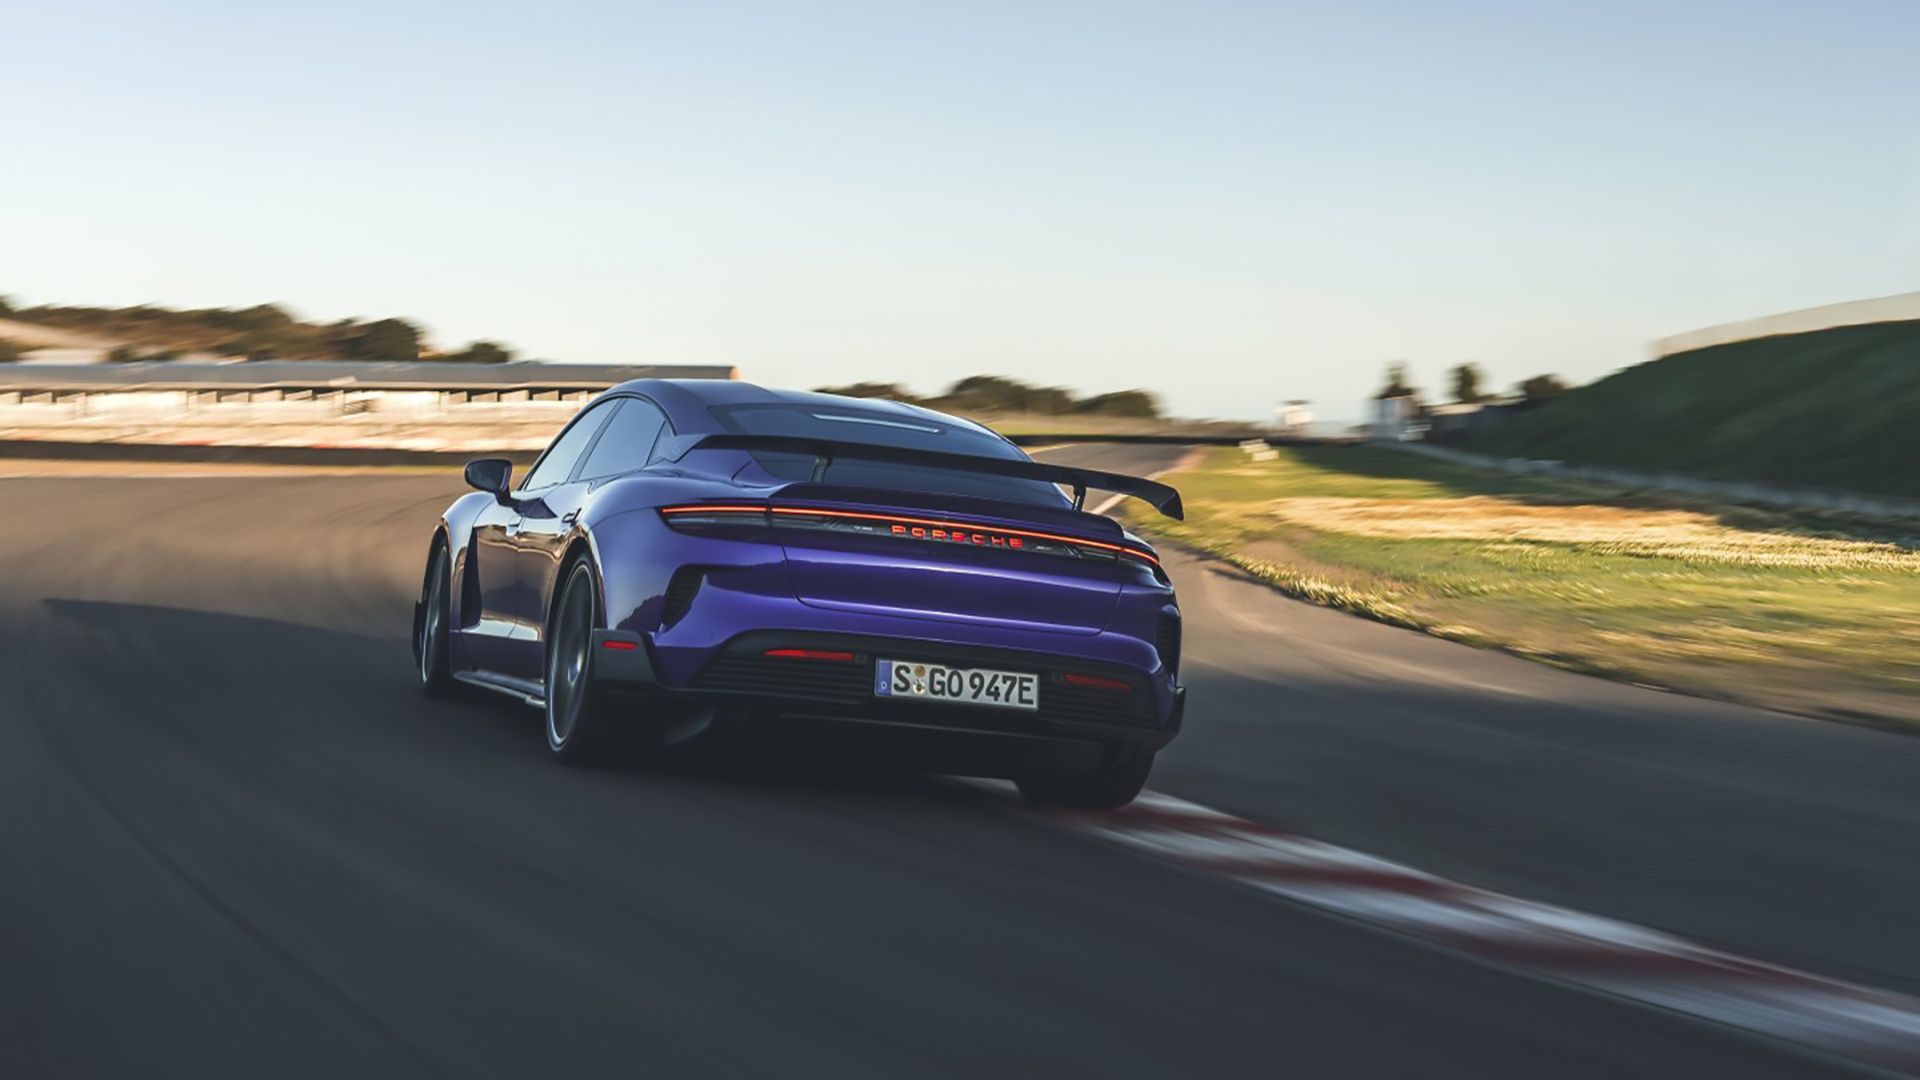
883 429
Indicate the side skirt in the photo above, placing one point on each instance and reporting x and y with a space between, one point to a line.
528 691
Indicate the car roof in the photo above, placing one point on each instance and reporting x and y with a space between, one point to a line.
687 401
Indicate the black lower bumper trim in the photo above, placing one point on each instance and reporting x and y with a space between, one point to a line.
620 656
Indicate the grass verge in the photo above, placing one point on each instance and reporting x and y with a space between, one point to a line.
1791 611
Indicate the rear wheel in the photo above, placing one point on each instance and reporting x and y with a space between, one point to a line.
430 645
581 727
1113 785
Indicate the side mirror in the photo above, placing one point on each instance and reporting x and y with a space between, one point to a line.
491 475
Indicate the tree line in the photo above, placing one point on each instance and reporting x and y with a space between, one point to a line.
260 332
1468 385
999 394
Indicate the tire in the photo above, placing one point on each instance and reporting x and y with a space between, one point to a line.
1110 787
431 637
581 727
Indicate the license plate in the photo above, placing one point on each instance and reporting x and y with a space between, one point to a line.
965 686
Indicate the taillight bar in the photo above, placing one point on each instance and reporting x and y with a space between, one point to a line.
1097 682
810 654
916 528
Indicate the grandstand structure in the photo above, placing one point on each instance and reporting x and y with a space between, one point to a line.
310 402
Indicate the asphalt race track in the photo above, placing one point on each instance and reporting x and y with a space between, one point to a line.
235 840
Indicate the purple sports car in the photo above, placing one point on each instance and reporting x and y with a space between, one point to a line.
691 553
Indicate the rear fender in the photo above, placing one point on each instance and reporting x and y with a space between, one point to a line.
638 554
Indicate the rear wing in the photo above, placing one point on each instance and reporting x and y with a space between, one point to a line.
826 451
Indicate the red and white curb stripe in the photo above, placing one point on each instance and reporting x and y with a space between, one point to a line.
1870 1027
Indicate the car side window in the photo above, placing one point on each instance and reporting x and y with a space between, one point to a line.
557 464
627 443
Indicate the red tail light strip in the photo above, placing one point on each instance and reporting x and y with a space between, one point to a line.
923 528
809 654
1098 683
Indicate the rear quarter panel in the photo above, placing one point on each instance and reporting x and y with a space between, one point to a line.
457 526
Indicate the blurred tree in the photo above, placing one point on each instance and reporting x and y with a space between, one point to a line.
993 393
384 340
997 393
1542 388
122 354
1398 384
6 306
337 338
9 352
1050 400
261 318
889 391
261 332
1466 384
480 352
1136 403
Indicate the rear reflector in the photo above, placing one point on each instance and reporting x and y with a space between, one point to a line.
1098 683
620 646
809 654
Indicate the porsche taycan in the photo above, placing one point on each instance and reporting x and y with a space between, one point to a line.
689 554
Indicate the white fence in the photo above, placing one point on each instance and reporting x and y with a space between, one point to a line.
1901 308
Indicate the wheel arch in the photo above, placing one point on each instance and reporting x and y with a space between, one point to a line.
436 543
579 547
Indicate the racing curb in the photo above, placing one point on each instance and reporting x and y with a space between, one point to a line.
1859 1025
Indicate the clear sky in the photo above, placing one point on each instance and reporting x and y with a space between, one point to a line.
1228 203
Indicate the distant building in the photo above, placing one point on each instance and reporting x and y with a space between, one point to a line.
1294 418
1456 418
1396 418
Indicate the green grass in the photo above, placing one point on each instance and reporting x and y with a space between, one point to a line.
1792 611
1834 408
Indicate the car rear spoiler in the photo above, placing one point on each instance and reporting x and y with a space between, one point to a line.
826 451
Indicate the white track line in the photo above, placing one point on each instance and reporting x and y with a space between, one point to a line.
1861 1025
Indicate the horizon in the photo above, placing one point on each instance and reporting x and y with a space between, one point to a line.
1089 197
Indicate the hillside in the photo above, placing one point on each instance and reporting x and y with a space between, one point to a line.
1834 408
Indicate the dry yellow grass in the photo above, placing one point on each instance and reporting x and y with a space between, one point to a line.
1615 530
1798 612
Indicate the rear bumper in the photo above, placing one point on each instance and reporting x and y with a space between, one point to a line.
739 676
693 605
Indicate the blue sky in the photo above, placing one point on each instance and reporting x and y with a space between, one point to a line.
1229 203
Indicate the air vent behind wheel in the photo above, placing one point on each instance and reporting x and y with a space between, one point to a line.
1166 639
680 593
